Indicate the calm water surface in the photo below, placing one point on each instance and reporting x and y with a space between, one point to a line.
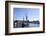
33 25
29 25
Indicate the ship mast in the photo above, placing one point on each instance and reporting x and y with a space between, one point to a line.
23 19
26 19
26 16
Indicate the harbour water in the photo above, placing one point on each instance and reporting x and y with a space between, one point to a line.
29 25
33 25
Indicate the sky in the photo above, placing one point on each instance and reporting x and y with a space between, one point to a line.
32 13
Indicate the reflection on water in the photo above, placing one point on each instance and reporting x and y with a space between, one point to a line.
33 25
26 25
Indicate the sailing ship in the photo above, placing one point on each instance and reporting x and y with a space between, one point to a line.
21 23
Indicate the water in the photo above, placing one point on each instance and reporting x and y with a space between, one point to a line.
33 25
29 25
